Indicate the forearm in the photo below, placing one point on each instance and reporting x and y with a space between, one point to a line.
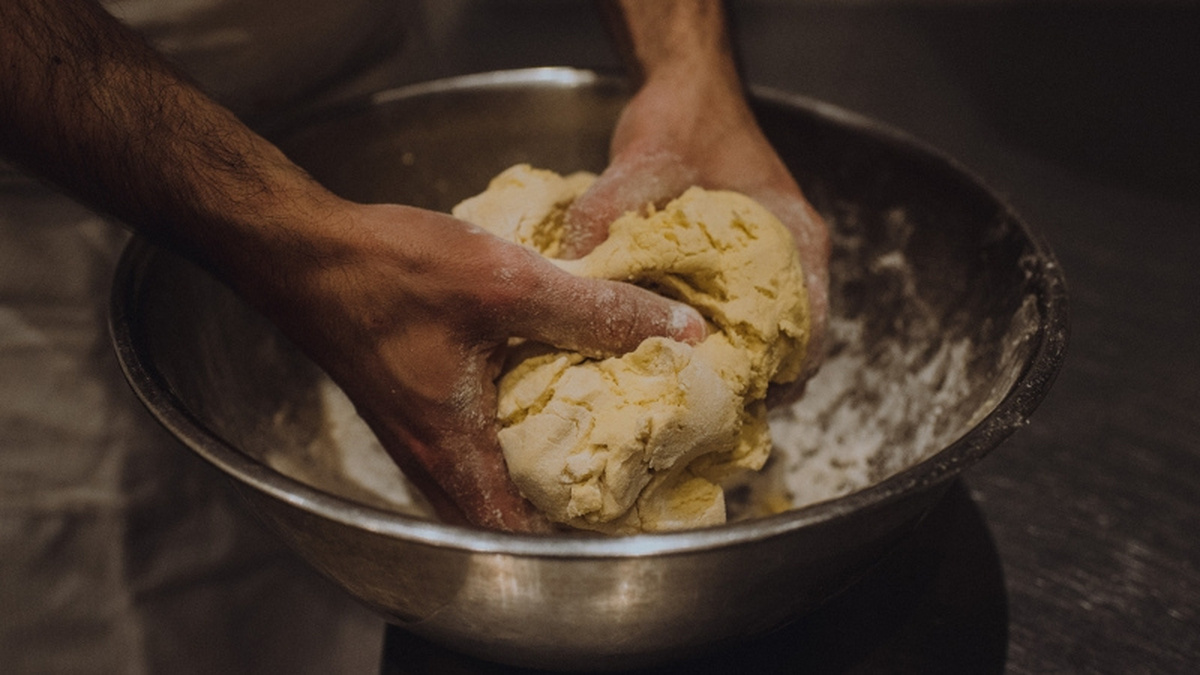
690 123
686 40
86 104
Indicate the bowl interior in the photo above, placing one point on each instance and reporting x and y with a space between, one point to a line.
948 315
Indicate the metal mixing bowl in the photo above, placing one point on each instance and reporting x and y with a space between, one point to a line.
220 378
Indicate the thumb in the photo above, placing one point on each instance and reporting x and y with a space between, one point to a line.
601 317
630 183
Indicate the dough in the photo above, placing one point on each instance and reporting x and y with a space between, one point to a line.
643 442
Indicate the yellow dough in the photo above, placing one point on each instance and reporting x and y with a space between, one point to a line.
643 442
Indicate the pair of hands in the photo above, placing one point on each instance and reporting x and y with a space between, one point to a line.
412 312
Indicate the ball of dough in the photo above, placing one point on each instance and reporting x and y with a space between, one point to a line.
642 442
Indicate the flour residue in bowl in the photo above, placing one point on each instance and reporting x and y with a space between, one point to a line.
345 458
885 398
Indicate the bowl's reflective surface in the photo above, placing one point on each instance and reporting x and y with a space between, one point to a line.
221 379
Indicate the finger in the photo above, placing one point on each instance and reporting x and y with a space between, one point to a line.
630 183
473 487
600 317
451 454
481 489
471 466
811 234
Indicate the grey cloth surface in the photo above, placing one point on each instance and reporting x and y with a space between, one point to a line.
120 552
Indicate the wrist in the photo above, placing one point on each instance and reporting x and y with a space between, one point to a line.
685 113
267 244
667 37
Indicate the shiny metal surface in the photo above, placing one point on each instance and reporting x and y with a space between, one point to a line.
220 378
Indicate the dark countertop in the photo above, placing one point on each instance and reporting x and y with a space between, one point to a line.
1073 547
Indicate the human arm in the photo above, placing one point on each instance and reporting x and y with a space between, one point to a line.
406 309
690 124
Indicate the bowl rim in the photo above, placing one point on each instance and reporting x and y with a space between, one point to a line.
1011 413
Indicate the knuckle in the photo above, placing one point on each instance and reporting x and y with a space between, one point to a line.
507 282
627 320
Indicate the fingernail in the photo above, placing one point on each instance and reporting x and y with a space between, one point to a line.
686 324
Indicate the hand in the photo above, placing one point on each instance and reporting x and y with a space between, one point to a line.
410 310
406 309
684 130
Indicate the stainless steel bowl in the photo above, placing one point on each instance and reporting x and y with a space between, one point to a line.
221 379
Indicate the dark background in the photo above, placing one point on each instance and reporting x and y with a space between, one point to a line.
1073 547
